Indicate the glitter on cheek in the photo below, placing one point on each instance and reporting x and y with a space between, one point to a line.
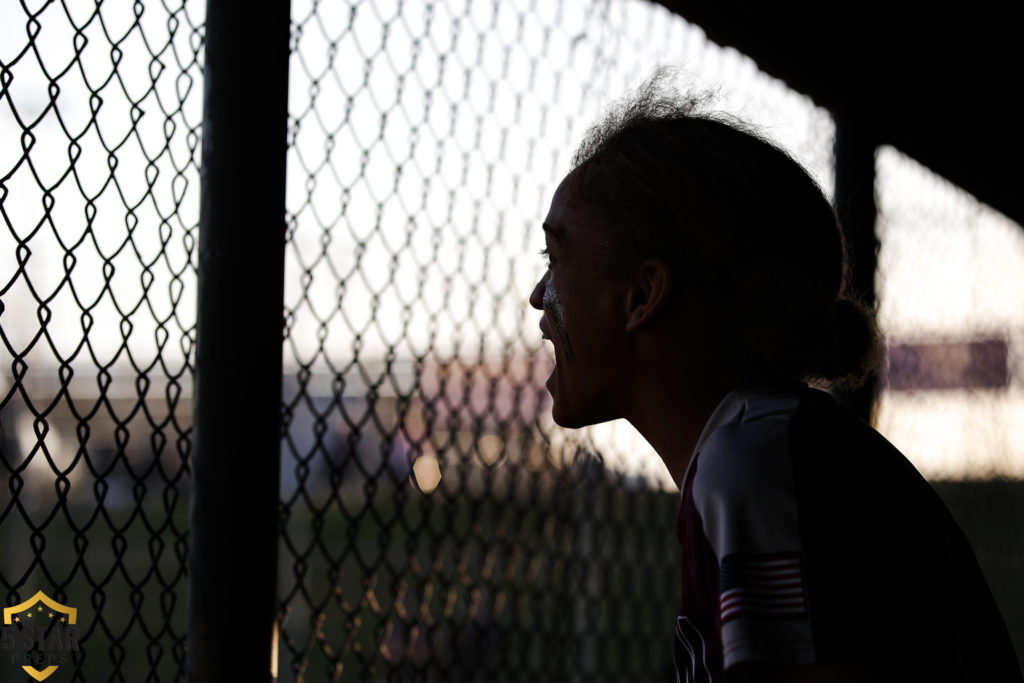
554 304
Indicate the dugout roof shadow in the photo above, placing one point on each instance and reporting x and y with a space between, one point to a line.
939 82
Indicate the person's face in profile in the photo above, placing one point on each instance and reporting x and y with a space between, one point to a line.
584 315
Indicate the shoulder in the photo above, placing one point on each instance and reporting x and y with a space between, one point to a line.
743 485
751 452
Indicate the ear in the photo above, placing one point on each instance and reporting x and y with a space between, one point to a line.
648 293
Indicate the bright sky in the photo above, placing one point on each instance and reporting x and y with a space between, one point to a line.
484 103
146 246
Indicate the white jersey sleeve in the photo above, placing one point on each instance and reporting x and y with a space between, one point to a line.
743 491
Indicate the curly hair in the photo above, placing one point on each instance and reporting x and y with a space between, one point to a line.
740 221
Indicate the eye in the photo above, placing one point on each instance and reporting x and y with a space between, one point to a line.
547 255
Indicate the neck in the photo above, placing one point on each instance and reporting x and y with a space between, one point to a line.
672 422
680 373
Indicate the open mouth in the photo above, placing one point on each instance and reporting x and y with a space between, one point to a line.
545 333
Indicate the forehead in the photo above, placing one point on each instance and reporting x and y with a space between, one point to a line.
575 227
569 219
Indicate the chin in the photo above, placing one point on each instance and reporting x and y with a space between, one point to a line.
575 419
566 421
562 415
584 411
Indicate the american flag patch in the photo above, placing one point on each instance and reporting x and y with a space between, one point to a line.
761 587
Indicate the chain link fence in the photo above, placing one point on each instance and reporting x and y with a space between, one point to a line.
435 525
100 109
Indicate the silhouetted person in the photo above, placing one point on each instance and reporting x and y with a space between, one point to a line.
696 281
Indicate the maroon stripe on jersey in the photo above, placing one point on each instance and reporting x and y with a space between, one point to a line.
768 586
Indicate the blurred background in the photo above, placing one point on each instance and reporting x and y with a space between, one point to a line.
434 524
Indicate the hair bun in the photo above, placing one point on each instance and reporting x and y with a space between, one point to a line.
846 345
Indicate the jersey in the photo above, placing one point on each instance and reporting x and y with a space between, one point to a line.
807 538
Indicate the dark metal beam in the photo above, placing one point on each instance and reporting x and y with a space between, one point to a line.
237 410
938 83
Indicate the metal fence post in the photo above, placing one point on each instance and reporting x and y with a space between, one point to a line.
855 205
235 464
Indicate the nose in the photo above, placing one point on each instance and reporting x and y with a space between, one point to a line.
537 296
